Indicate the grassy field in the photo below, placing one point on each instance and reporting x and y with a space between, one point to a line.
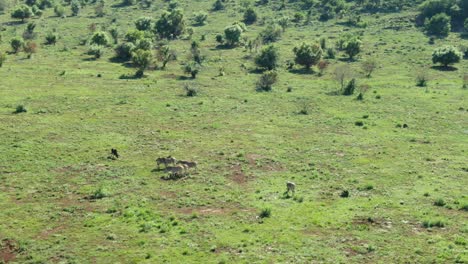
54 157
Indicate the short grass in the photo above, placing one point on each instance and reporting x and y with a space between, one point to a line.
53 158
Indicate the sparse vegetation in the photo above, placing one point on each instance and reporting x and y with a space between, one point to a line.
111 86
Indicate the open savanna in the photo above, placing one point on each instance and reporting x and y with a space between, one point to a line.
54 157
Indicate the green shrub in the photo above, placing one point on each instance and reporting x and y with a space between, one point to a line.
272 33
446 55
308 54
59 10
16 44
349 89
20 109
142 60
438 25
75 7
250 16
51 38
171 24
265 213
422 79
192 68
124 51
266 81
22 12
352 47
190 90
268 58
344 194
99 193
96 50
144 23
434 223
200 18
232 34
100 38
439 202
218 5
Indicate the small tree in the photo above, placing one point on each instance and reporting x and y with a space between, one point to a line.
142 60
250 16
100 38
22 12
96 50
51 38
308 55
272 33
165 55
342 73
200 18
124 51
352 47
446 55
2 58
171 24
218 5
466 25
59 10
368 67
233 34
192 68
75 7
114 32
16 44
349 89
144 23
438 25
268 58
266 81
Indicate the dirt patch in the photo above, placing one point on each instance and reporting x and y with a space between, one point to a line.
263 163
238 175
370 221
48 232
212 211
8 250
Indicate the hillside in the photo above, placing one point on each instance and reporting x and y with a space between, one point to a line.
374 135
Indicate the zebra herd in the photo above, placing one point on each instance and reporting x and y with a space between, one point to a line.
177 168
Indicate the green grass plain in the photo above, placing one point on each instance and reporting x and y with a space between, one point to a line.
247 144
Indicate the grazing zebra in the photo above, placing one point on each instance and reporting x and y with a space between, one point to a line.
165 161
290 186
189 164
176 170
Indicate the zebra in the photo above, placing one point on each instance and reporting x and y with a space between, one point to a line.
189 164
177 170
165 161
290 186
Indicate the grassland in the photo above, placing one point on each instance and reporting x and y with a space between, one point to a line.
247 144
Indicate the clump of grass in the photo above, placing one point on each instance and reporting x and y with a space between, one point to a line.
440 202
344 194
422 79
20 109
99 193
359 123
265 213
434 223
190 90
